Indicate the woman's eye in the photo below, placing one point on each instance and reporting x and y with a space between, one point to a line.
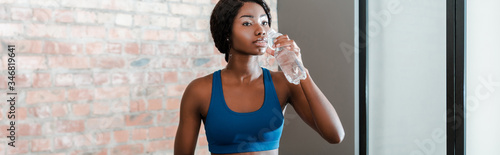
247 24
265 23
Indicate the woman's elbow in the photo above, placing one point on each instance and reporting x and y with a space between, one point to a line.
336 138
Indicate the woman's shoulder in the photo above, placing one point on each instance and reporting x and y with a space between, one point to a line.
279 78
200 84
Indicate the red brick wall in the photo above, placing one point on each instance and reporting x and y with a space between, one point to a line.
103 76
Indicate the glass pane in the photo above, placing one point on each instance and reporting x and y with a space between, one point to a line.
483 77
407 77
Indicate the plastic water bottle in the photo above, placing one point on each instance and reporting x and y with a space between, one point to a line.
291 66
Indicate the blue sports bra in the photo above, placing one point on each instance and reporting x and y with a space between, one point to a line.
228 131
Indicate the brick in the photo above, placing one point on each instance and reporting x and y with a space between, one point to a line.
88 32
185 9
202 129
128 149
175 63
152 7
202 141
110 107
101 79
21 13
112 92
189 23
139 119
114 48
155 104
69 126
186 77
105 122
137 78
173 103
139 134
94 151
83 79
80 94
46 3
121 5
29 62
108 62
62 80
121 136
156 132
96 32
82 140
3 13
95 4
174 22
137 105
167 117
40 112
121 33
148 91
158 35
22 146
86 17
194 37
94 48
142 20
202 24
59 110
119 78
22 113
154 78
170 77
44 96
131 48
26 46
62 48
123 19
49 31
159 21
22 80
160 145
105 18
102 138
81 109
40 145
202 151
64 16
101 108
63 142
170 131
28 129
69 62
176 90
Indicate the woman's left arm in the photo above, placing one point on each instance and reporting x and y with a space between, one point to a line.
322 112
310 103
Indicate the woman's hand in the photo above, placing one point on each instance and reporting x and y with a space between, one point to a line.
285 42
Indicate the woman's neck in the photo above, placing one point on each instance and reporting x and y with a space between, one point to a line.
243 68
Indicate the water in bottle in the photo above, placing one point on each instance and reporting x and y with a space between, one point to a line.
291 66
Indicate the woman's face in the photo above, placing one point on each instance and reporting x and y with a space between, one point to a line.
250 26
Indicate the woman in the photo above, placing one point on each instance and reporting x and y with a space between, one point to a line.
242 105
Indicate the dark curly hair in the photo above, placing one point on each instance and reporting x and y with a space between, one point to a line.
222 18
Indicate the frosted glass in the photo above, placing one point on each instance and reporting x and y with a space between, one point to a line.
483 77
407 77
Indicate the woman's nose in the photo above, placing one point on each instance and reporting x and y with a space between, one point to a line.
260 31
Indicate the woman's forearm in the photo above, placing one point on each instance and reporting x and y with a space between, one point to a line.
324 114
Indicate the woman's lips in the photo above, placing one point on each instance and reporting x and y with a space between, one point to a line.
260 43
